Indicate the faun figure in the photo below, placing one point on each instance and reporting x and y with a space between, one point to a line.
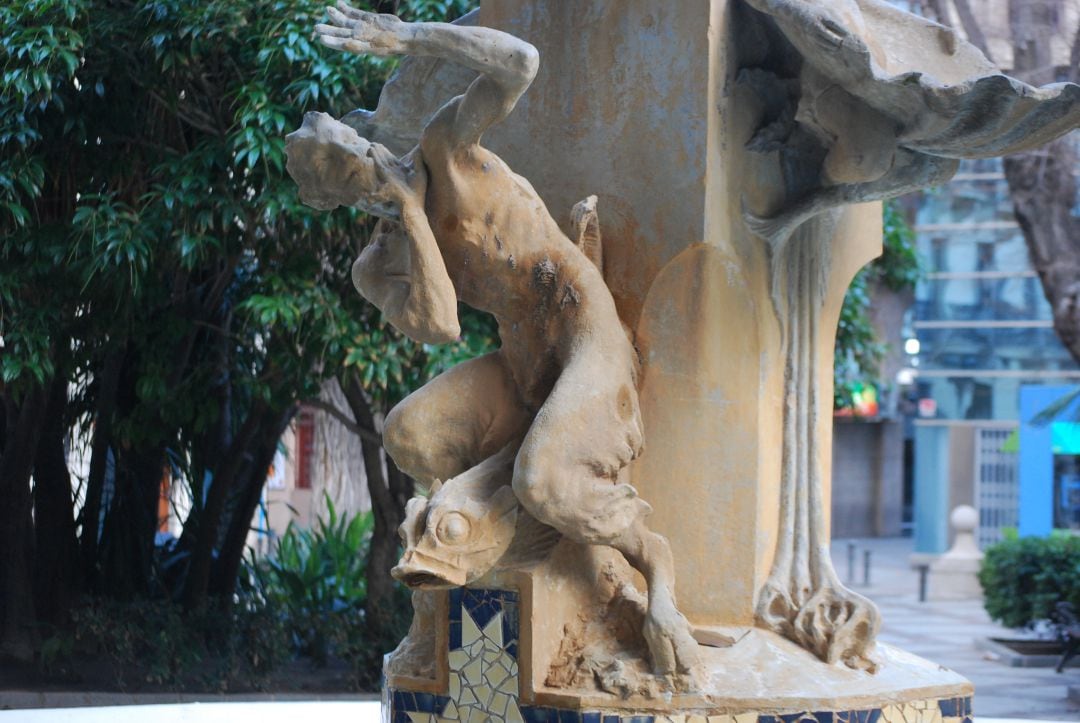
551 420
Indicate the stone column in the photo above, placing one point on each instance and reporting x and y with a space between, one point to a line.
638 102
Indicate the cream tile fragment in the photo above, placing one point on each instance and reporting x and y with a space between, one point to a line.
745 717
457 659
513 713
930 715
498 704
420 717
493 630
455 686
509 686
470 633
483 695
892 713
473 671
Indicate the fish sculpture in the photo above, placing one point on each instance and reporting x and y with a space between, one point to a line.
469 525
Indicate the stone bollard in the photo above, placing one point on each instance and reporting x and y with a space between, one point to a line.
954 575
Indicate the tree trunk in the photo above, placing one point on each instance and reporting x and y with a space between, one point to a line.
202 526
390 489
99 456
57 545
126 548
25 418
1043 182
227 568
971 27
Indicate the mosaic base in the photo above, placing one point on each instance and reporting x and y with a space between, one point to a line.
484 684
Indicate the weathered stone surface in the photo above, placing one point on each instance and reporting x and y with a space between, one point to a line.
674 330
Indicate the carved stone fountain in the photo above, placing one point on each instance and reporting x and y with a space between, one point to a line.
657 425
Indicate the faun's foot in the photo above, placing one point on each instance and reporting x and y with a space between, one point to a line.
672 647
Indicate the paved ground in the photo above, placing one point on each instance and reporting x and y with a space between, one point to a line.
944 632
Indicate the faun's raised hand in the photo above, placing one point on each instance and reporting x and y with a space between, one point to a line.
359 31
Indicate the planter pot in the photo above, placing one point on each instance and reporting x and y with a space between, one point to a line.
1025 652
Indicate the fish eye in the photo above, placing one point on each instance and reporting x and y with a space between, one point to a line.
453 527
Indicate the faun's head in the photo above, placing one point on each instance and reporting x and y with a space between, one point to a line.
334 166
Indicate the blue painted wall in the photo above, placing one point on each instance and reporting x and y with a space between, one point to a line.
1036 467
931 488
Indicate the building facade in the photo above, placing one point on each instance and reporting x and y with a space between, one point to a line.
984 331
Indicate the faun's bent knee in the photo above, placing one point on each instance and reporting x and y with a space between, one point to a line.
402 441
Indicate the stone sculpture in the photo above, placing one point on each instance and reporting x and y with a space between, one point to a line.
551 420
880 103
726 141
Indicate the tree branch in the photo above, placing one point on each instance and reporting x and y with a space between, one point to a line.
325 406
971 27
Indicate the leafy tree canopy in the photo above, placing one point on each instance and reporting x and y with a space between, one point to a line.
158 272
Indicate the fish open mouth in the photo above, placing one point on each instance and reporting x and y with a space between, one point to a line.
424 581
424 577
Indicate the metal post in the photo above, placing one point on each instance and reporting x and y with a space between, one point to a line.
851 563
923 570
866 568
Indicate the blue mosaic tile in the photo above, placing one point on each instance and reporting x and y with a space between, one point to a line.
590 717
639 719
569 716
825 716
403 702
950 706
483 605
611 719
862 716
426 702
875 716
536 714
968 710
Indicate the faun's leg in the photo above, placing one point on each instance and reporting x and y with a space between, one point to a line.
455 421
570 474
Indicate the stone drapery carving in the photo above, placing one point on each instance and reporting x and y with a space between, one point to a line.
869 103
529 444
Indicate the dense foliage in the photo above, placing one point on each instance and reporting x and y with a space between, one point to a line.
859 351
298 622
1023 578
165 301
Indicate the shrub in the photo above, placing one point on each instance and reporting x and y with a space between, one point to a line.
298 609
1023 578
315 581
154 644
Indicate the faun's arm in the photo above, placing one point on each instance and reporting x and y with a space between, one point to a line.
507 65
402 272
